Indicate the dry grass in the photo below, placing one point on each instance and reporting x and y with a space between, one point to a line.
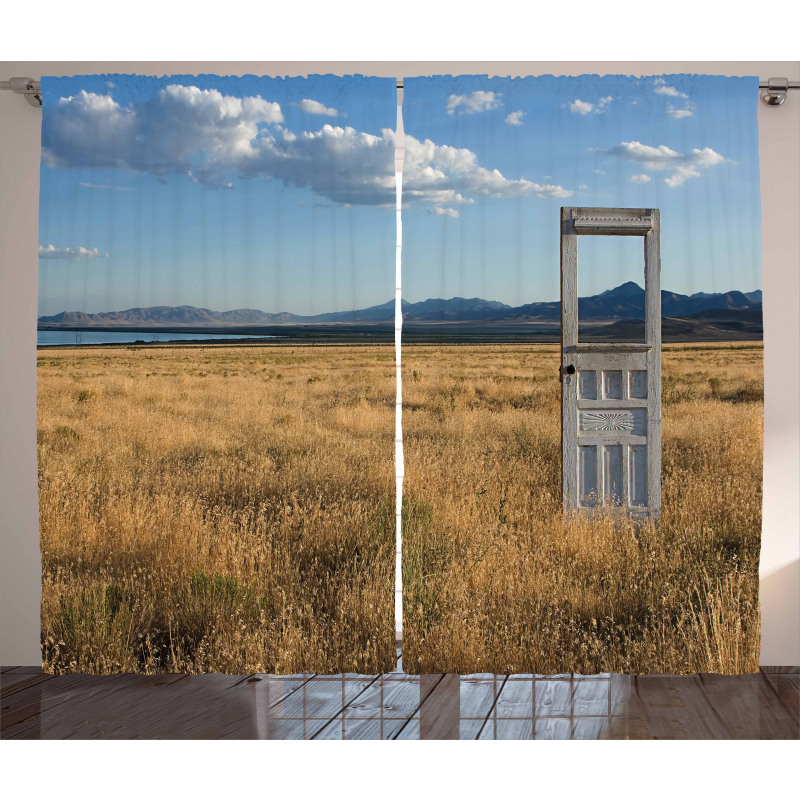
498 581
231 509
217 509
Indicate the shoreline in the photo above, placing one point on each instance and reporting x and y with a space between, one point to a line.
719 344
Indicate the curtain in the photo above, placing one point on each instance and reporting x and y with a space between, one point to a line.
581 371
582 484
215 383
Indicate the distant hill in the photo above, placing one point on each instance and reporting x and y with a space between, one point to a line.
710 325
624 304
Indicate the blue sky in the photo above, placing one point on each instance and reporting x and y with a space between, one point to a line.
278 194
685 144
219 192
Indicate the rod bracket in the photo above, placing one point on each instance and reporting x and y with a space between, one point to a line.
28 87
775 92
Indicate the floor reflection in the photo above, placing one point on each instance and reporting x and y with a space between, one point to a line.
399 706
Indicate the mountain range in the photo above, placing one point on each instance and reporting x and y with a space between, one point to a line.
624 303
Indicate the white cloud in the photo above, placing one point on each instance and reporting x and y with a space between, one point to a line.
315 107
182 129
679 113
640 178
103 186
599 171
584 107
70 253
473 102
663 88
581 107
443 212
515 118
213 138
682 167
444 175
583 187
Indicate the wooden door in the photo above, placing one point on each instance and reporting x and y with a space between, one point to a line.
611 392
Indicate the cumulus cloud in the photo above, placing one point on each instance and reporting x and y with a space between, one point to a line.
446 175
183 129
640 178
443 212
214 138
662 87
473 103
315 107
581 107
681 167
679 113
70 253
515 118
584 107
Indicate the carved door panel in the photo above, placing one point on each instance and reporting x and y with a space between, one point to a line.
611 392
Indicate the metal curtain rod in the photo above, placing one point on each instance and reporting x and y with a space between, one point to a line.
773 94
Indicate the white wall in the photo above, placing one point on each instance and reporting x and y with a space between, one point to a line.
779 133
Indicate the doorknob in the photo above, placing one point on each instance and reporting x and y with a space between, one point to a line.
570 369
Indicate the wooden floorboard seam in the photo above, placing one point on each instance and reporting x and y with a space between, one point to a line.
493 705
340 715
24 684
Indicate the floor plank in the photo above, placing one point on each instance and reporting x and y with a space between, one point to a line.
762 705
478 694
780 721
387 698
515 699
736 700
12 682
440 710
678 707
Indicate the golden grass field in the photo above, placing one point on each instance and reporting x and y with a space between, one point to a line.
222 508
231 508
498 581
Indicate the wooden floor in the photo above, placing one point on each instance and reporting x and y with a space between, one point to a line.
764 705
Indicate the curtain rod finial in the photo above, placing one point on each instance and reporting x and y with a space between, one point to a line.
31 89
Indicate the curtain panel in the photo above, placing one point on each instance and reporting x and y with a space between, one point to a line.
216 427
582 364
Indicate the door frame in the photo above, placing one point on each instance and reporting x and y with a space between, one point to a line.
593 221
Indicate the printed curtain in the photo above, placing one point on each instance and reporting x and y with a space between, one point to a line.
582 390
215 406
566 508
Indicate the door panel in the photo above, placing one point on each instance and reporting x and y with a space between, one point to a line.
611 392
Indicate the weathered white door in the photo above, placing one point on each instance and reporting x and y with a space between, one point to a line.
611 392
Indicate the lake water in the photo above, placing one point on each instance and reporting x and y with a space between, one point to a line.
49 338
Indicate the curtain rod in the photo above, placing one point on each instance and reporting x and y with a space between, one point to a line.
774 93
